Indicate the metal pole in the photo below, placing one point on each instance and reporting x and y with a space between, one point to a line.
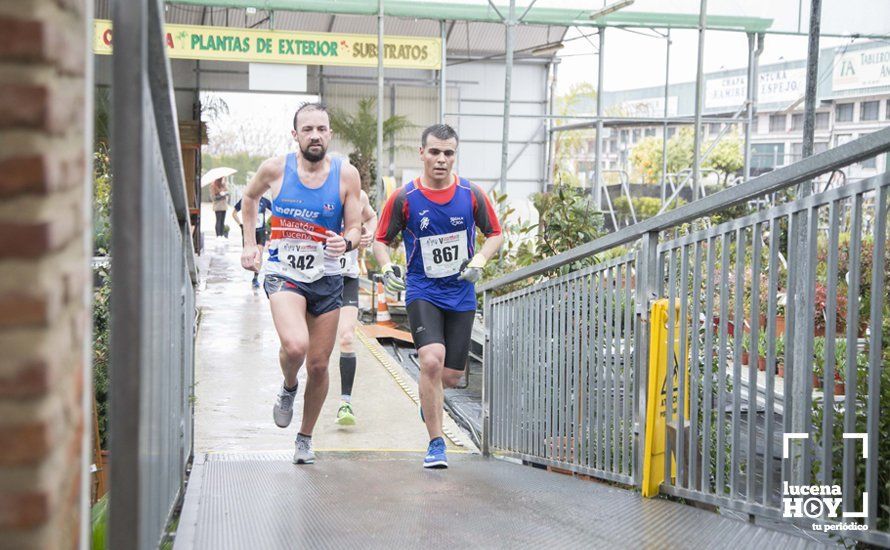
755 48
664 144
598 179
803 232
548 109
699 77
130 140
381 191
510 23
392 139
554 72
752 89
510 27
442 94
809 109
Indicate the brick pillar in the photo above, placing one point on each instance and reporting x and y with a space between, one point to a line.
44 271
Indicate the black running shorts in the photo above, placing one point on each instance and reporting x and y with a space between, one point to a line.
433 325
322 296
350 291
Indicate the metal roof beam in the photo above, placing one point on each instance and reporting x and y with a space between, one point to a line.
491 13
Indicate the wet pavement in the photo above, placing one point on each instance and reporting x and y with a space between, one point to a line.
237 373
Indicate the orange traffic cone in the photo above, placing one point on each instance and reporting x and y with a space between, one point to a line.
383 317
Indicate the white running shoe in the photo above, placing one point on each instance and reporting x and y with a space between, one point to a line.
283 410
303 451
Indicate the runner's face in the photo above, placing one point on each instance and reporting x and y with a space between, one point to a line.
438 158
313 134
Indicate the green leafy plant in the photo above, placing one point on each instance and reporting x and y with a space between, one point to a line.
568 219
101 201
360 130
726 157
99 524
101 356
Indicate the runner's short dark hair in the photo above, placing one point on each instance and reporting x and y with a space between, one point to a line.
441 131
309 106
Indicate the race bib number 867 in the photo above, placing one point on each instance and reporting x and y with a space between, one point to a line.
443 254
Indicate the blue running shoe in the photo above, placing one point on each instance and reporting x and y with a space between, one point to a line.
435 455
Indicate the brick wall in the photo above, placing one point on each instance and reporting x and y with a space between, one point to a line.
43 271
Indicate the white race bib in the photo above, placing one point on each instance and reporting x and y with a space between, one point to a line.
349 264
443 254
302 261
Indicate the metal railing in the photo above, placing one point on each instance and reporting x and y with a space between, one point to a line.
153 277
567 361
563 383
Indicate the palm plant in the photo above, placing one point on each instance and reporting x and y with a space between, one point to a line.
360 130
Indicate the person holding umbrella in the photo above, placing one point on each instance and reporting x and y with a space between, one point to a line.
219 194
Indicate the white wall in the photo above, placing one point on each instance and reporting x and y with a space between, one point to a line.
482 91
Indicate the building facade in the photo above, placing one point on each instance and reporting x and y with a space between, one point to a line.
853 95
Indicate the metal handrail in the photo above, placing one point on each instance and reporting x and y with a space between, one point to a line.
851 152
163 101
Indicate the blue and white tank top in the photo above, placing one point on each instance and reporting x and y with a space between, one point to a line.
301 216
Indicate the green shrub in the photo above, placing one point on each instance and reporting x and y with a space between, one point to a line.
99 524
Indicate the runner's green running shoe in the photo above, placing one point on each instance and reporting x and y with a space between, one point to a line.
345 416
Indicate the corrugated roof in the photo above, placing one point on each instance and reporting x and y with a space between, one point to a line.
478 38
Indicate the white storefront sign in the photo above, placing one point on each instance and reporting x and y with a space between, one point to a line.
861 69
777 86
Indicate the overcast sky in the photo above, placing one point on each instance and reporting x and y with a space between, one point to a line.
636 61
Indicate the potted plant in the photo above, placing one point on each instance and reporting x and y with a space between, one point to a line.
780 355
840 366
780 312
820 301
761 351
818 361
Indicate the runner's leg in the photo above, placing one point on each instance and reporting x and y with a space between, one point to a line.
458 332
427 327
432 361
322 336
289 317
346 335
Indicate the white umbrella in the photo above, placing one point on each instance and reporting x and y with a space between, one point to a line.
216 173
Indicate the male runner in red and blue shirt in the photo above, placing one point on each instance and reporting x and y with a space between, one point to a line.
437 216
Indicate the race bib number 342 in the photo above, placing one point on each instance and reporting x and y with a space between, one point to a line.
302 260
443 254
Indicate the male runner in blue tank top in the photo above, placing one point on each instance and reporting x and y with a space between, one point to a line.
314 198
437 216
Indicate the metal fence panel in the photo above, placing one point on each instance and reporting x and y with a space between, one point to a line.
755 409
779 290
563 381
153 276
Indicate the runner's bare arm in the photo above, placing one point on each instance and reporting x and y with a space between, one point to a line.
491 245
266 175
369 221
352 205
387 231
236 216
